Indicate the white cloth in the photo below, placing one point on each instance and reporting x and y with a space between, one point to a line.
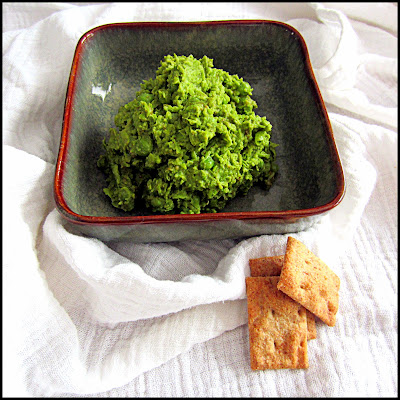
88 318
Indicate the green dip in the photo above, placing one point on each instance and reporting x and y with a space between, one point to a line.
189 142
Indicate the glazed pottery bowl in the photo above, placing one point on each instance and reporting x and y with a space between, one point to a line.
110 63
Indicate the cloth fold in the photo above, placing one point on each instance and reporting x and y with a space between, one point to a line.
85 316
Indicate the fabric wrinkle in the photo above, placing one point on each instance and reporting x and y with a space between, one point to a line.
86 317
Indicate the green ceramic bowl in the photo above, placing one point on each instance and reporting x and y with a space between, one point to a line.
109 65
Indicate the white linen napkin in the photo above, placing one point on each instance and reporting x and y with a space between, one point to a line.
84 316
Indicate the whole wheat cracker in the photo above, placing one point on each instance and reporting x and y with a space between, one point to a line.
311 327
309 281
277 326
266 266
272 266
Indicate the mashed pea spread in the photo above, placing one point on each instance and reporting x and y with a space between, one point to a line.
189 142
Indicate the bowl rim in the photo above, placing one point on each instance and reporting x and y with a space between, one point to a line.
76 218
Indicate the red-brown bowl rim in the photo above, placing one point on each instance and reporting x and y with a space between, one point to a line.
170 218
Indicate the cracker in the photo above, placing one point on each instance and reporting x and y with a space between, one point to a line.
272 266
277 326
309 281
266 266
311 327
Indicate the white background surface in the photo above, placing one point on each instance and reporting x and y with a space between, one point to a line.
86 318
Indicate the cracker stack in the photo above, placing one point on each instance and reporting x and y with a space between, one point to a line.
283 295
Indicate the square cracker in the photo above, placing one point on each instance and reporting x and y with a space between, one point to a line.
266 266
277 326
272 266
311 327
309 281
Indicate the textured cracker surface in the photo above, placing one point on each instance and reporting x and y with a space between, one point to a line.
266 266
277 326
272 266
308 280
311 327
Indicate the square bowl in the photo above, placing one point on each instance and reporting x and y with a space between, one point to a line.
110 63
